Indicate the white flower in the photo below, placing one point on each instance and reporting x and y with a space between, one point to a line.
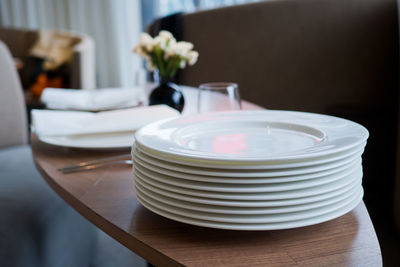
146 42
145 38
139 50
149 47
183 48
161 42
192 57
145 45
170 51
182 65
166 35
185 45
164 40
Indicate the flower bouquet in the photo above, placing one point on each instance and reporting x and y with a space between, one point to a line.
165 55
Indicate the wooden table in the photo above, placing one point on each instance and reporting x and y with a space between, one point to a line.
106 198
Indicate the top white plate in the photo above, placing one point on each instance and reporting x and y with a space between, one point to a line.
250 137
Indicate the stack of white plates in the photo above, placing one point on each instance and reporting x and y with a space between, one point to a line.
250 170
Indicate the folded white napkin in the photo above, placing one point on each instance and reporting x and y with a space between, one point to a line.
62 123
92 100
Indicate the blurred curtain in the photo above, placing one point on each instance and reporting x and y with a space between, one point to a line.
115 26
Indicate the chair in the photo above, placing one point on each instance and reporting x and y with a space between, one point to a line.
82 66
36 227
336 57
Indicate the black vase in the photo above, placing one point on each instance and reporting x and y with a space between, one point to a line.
167 93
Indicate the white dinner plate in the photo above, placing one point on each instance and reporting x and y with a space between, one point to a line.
259 137
140 157
251 203
117 140
271 165
243 178
252 227
289 194
246 210
246 188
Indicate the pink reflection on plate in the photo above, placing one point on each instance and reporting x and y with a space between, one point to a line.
230 144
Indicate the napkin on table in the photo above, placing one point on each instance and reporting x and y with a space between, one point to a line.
62 123
92 100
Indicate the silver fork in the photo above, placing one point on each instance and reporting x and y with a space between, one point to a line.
97 163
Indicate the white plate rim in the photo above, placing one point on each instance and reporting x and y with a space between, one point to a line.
239 173
293 117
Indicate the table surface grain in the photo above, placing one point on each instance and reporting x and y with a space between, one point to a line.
106 198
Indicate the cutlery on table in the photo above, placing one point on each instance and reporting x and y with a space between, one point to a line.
97 163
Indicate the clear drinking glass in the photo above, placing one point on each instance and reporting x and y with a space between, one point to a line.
218 96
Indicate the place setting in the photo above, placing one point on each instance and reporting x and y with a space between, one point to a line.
106 130
222 166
